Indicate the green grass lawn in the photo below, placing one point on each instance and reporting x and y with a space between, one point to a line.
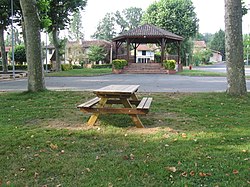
190 140
80 72
201 73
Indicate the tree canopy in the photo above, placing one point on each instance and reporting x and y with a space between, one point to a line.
218 42
106 28
177 16
96 53
118 22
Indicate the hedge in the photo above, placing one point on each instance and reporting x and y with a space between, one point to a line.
169 64
119 63
102 66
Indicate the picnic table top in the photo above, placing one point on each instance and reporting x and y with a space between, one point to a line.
117 89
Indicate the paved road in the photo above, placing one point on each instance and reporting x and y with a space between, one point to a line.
148 82
219 67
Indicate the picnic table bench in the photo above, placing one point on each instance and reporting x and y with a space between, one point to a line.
117 95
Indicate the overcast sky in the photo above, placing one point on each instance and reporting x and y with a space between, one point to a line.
209 12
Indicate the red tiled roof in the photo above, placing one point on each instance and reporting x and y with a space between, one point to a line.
89 43
200 44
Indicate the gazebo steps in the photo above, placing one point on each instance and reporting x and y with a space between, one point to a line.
147 68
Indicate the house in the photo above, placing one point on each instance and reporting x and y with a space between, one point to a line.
49 54
201 45
145 53
7 50
216 56
86 44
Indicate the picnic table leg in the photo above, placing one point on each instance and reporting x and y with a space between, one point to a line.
134 117
95 116
134 97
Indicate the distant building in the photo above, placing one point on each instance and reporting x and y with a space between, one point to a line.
145 53
201 45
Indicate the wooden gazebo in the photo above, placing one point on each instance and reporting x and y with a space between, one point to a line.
145 34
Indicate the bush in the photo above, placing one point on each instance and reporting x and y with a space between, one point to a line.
77 67
66 67
119 63
169 64
102 66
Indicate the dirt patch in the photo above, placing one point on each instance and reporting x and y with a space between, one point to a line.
58 124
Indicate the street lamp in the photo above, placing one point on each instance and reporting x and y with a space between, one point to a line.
12 37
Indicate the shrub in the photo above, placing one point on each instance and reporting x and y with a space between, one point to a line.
169 64
119 63
77 66
102 66
66 67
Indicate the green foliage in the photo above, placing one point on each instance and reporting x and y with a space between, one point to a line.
129 18
59 12
169 64
19 54
246 44
218 43
96 53
76 32
119 63
202 56
101 66
77 66
66 67
105 28
177 16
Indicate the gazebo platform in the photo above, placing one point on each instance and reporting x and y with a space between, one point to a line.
145 68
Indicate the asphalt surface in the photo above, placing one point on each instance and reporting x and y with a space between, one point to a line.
147 82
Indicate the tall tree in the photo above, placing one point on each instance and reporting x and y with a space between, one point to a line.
96 53
129 18
59 13
218 43
234 48
33 45
105 28
76 27
177 16
5 20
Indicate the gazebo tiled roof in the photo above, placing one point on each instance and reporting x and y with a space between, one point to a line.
147 33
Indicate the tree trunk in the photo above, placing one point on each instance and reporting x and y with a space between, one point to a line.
33 45
3 53
57 49
234 48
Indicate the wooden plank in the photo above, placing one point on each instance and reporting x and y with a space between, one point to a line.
116 101
148 103
95 116
114 111
142 103
117 89
89 103
134 117
145 103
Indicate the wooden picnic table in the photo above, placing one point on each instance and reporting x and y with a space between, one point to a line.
111 95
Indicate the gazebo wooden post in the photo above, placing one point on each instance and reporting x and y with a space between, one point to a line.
128 49
116 49
163 45
135 52
178 52
179 68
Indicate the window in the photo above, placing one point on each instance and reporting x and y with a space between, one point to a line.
50 51
143 52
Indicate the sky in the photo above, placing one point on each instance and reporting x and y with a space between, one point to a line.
209 12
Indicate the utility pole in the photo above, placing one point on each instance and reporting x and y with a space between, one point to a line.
12 37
